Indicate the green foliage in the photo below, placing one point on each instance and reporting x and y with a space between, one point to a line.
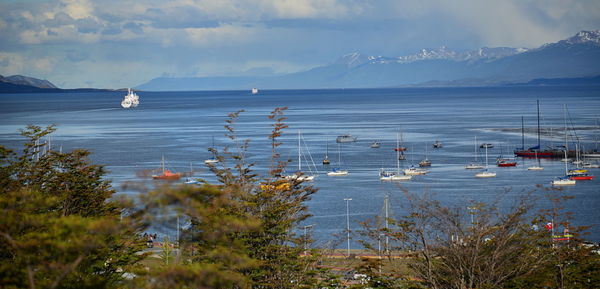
241 231
480 246
59 228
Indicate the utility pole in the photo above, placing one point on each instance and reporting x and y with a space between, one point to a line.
306 236
348 222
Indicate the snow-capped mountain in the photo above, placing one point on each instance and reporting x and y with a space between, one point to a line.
356 58
577 56
584 37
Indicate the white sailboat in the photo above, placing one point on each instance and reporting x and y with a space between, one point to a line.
338 171
214 158
414 171
474 165
537 167
565 181
299 175
394 176
485 173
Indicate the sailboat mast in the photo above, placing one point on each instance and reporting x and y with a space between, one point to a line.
566 137
397 154
476 149
486 157
522 134
538 124
299 160
339 156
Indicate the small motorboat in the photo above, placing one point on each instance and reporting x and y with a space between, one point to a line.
412 171
425 163
437 145
501 162
486 146
375 145
564 182
345 138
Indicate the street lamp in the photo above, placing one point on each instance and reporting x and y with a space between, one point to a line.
306 236
472 212
348 222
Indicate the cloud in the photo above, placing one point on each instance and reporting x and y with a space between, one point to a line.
134 27
14 63
209 37
78 9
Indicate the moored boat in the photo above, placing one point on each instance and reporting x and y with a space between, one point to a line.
345 138
166 175
502 162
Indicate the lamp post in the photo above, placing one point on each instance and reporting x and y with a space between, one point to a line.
306 236
348 222
472 212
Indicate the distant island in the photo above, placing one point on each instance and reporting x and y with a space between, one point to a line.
26 84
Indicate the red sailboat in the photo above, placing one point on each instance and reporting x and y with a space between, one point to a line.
166 175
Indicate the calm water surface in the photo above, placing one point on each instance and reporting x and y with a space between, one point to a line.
180 126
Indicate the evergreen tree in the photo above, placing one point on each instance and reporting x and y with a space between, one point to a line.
60 229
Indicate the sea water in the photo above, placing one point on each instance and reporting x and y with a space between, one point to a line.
180 126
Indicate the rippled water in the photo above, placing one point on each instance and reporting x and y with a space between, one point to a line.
180 126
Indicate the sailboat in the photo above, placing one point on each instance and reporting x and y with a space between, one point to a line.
485 173
214 159
254 90
537 167
338 171
474 165
394 176
505 162
399 147
413 171
299 175
425 162
166 175
326 159
565 181
579 173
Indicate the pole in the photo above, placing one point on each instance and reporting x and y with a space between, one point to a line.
387 226
538 124
348 222
306 236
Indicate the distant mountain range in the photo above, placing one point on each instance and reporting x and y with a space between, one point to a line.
575 57
25 84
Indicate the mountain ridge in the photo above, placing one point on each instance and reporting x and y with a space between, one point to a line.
576 56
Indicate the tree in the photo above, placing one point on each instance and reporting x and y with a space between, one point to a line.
241 231
481 246
59 226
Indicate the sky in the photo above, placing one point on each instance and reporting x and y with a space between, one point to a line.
124 43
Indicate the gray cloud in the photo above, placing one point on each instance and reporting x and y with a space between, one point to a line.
134 27
88 25
206 37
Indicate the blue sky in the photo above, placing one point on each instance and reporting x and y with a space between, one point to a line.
123 43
